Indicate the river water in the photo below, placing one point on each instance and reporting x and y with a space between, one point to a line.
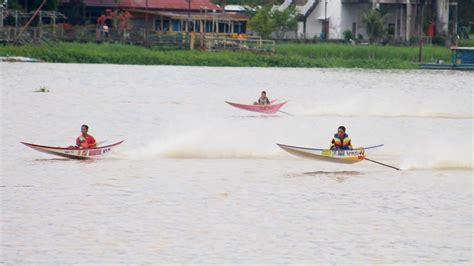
198 181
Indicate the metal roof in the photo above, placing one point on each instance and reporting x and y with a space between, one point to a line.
152 4
195 16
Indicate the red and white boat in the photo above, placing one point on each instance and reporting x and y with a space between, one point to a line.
74 153
266 109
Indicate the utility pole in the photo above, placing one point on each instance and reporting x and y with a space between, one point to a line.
3 7
189 17
326 10
188 24
420 30
146 22
326 22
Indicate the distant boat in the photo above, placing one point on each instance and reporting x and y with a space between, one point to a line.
267 109
19 59
462 58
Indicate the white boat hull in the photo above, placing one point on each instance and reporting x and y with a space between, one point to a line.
74 153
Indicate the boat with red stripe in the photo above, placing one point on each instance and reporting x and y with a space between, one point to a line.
74 152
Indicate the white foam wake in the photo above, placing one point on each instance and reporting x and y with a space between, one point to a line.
210 143
442 156
441 115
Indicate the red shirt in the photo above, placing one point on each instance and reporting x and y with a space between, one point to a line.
86 142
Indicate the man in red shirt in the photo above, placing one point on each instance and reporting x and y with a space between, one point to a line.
85 141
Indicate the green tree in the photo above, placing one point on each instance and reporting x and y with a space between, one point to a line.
284 21
31 5
50 4
347 35
263 22
256 3
252 6
373 21
14 4
465 12
73 11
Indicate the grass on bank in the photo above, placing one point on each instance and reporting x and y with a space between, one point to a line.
467 43
286 55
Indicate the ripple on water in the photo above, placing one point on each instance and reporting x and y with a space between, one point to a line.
331 173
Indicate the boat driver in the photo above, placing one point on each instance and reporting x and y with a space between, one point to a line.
85 141
341 140
263 100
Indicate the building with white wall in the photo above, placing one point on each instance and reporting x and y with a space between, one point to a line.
402 20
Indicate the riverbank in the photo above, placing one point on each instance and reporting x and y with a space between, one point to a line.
324 55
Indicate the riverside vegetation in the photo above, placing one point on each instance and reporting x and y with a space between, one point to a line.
323 55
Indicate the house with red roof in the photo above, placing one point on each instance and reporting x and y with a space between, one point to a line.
165 15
